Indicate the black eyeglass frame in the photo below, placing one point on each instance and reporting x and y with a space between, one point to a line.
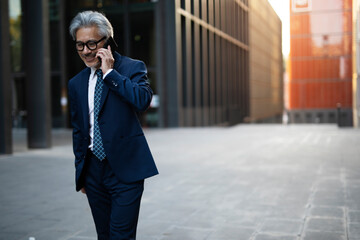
87 44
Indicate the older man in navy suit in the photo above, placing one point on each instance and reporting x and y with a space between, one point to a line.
112 157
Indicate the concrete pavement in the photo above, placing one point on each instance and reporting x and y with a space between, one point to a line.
248 182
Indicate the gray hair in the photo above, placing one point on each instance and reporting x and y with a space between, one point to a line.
89 19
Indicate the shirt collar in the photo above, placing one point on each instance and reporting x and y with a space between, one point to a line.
93 70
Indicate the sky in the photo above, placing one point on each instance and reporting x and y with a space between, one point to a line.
15 9
281 8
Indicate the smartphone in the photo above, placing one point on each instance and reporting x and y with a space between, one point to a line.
112 44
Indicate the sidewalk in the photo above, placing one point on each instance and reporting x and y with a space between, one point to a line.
248 182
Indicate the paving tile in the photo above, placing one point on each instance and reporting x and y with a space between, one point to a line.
282 226
274 237
231 233
323 236
330 197
180 233
354 216
326 225
14 235
152 228
327 212
354 230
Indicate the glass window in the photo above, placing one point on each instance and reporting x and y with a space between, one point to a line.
330 22
142 37
15 35
330 4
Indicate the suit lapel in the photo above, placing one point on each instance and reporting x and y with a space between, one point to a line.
105 90
84 96
104 94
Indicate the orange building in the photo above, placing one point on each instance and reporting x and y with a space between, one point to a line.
320 63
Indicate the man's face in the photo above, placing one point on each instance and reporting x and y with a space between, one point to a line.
84 35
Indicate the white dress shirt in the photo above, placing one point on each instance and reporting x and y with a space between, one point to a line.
91 92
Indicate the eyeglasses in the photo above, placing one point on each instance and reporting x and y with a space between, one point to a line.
92 45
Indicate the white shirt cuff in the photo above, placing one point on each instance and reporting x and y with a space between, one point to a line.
108 71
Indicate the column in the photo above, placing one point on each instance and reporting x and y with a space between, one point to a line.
5 81
37 68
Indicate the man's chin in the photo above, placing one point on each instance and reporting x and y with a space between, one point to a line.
93 65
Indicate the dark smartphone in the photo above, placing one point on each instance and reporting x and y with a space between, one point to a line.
112 44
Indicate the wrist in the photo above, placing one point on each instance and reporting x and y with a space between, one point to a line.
105 73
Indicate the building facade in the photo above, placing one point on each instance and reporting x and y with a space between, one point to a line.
356 63
204 66
213 62
266 64
320 63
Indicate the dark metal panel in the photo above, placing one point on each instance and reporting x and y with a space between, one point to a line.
5 82
216 64
189 113
224 75
167 82
179 73
127 29
212 64
197 67
63 56
205 65
218 69
37 59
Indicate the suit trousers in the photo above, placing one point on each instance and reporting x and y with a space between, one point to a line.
114 205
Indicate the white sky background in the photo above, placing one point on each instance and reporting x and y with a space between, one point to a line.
14 7
282 9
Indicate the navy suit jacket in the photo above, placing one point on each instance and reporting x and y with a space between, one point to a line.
125 92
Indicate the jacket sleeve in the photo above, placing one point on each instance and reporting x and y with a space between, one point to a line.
133 88
74 120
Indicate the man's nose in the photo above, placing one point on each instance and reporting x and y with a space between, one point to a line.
86 50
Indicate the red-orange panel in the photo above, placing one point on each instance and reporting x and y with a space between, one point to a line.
340 95
308 101
312 95
324 74
307 47
347 44
327 93
348 93
317 73
318 95
294 45
345 68
295 24
299 24
327 73
293 96
334 68
310 68
347 4
296 70
347 18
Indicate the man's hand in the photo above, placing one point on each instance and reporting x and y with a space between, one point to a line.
83 190
107 59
